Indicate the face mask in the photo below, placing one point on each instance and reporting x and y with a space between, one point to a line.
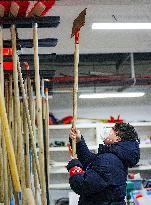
106 133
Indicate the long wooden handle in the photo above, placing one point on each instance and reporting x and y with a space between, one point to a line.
9 145
46 141
1 59
26 142
75 93
2 84
28 118
5 164
39 114
17 104
31 104
28 197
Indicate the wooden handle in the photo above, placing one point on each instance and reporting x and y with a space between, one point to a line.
2 85
28 119
75 93
17 103
9 145
31 104
46 122
39 114
5 164
28 197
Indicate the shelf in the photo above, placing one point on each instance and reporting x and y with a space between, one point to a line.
141 124
141 168
60 170
58 149
135 124
58 164
59 186
81 125
93 147
145 145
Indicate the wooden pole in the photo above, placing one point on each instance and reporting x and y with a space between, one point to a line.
31 104
26 139
75 91
1 170
10 105
77 24
45 147
17 101
10 121
39 114
47 143
1 59
8 142
27 159
15 127
23 173
2 85
28 120
5 165
28 197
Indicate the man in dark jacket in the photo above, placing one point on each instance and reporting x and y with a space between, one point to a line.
100 179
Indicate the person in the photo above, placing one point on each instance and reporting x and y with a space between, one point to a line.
100 179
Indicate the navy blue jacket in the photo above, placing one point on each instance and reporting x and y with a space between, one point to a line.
104 180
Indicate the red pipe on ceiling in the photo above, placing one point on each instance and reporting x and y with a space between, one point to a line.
95 78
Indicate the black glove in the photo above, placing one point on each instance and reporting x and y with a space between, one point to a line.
73 163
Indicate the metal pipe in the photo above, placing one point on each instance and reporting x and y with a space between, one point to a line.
133 68
95 78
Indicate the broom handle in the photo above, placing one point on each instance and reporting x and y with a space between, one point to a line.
46 142
28 197
1 152
9 145
39 114
1 60
31 104
26 141
5 165
75 89
28 119
17 101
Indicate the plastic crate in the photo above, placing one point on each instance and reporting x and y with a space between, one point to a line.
140 199
137 184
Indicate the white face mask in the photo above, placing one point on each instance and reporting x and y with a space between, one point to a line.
106 133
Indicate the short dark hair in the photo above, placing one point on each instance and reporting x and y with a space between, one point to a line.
126 131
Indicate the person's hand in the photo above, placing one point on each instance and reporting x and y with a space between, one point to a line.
75 134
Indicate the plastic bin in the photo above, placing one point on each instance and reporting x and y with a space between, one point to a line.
140 199
137 184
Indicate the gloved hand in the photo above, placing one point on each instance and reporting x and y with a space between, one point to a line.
73 163
74 167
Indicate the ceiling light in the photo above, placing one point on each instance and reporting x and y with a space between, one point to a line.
113 95
122 26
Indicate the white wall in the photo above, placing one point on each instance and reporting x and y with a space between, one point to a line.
136 109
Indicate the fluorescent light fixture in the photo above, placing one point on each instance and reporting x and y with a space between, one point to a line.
113 95
122 26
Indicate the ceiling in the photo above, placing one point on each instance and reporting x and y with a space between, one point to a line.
96 41
99 44
102 2
100 41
